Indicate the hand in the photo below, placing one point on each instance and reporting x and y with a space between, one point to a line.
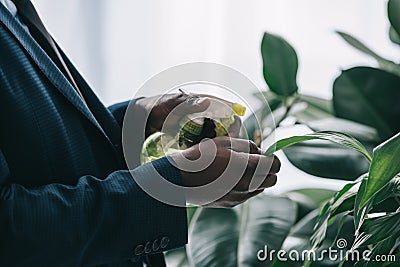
159 107
235 160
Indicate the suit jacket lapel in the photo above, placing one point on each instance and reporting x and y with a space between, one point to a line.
46 65
103 115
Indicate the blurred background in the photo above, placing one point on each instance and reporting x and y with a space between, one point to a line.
117 45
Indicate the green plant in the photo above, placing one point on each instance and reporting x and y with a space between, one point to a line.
381 234
356 137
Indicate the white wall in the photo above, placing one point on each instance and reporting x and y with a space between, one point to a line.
119 44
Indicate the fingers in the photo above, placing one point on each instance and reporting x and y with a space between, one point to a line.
264 164
260 172
237 145
268 181
233 198
256 164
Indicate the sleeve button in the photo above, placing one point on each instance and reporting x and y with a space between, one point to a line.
148 248
164 242
156 245
139 250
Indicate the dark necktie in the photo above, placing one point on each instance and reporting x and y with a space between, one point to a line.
28 14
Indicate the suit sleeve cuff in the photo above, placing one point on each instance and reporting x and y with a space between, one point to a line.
172 224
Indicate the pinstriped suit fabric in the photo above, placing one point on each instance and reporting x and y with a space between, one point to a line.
65 198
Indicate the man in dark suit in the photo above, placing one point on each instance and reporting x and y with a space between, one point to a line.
66 196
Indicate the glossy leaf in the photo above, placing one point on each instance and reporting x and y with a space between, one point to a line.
177 258
346 206
330 208
369 96
268 221
394 36
232 237
327 160
384 63
339 138
299 238
383 247
389 190
359 131
317 102
390 204
214 237
360 214
377 229
316 195
393 14
280 65
385 166
354 42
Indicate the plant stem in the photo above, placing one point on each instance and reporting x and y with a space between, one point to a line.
288 109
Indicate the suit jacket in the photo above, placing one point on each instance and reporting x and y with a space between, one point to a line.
66 197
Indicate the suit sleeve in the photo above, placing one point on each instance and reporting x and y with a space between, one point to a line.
118 110
91 223
137 115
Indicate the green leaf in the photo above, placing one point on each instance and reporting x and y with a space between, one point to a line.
299 237
332 208
339 138
377 229
393 14
369 96
346 206
384 63
385 165
190 213
214 236
322 104
308 199
264 226
394 36
280 65
315 109
232 237
389 190
383 247
359 45
390 204
327 160
177 258
385 193
359 131
316 195
360 214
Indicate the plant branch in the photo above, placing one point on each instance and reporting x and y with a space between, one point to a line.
287 112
